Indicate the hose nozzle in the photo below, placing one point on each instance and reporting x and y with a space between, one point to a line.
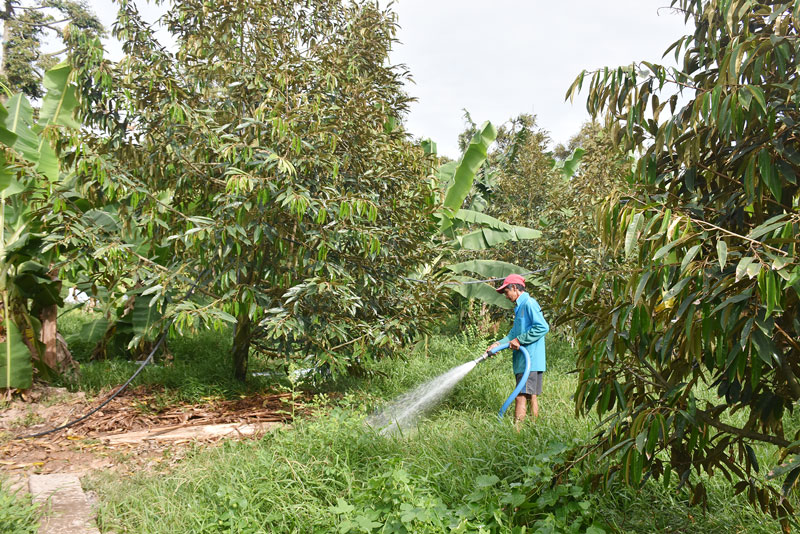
486 355
483 358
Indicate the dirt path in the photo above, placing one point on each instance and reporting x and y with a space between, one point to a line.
135 431
130 433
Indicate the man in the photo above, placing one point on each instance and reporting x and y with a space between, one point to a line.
528 330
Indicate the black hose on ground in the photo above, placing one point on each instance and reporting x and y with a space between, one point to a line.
127 382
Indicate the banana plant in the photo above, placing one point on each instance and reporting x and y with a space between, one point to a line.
24 277
472 230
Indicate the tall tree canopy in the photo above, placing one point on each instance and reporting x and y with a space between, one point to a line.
27 26
270 153
693 348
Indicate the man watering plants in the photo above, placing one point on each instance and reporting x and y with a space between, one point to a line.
528 330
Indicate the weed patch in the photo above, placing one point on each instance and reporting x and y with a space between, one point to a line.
17 514
460 470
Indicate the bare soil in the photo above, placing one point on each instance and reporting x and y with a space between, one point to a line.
87 445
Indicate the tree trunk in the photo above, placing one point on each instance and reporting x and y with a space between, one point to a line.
49 336
241 346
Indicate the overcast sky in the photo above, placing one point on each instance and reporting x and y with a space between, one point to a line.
502 58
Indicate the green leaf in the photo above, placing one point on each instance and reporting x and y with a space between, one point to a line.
143 315
746 294
471 241
468 166
91 332
767 227
569 166
488 268
789 481
9 185
486 481
779 263
489 237
753 269
342 507
741 268
48 161
722 253
790 468
446 173
7 137
429 146
475 217
690 255
366 524
758 94
769 174
633 231
227 317
663 251
640 287
764 347
34 284
59 102
674 290
19 122
522 233
16 369
102 219
481 291
773 298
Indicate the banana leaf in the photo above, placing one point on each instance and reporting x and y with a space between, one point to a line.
16 369
445 174
488 268
9 185
7 137
19 122
488 237
59 102
468 166
569 166
144 316
91 332
475 217
481 291
48 161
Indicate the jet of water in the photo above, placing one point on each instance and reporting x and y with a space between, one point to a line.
404 411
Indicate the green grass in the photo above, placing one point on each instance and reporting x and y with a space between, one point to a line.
17 514
200 367
460 470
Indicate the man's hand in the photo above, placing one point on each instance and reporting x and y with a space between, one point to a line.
514 344
492 347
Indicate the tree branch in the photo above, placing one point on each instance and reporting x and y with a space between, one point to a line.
743 433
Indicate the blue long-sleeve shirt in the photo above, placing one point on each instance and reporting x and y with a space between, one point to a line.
529 328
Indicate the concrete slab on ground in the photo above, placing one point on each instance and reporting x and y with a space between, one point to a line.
65 506
179 433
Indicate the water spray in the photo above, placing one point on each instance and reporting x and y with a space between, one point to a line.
405 411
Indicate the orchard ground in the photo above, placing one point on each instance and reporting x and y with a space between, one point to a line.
325 470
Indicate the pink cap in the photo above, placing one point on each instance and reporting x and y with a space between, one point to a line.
511 279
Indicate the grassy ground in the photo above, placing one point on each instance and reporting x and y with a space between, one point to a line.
461 471
17 514
200 367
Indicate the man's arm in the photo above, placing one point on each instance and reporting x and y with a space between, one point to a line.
538 329
508 339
